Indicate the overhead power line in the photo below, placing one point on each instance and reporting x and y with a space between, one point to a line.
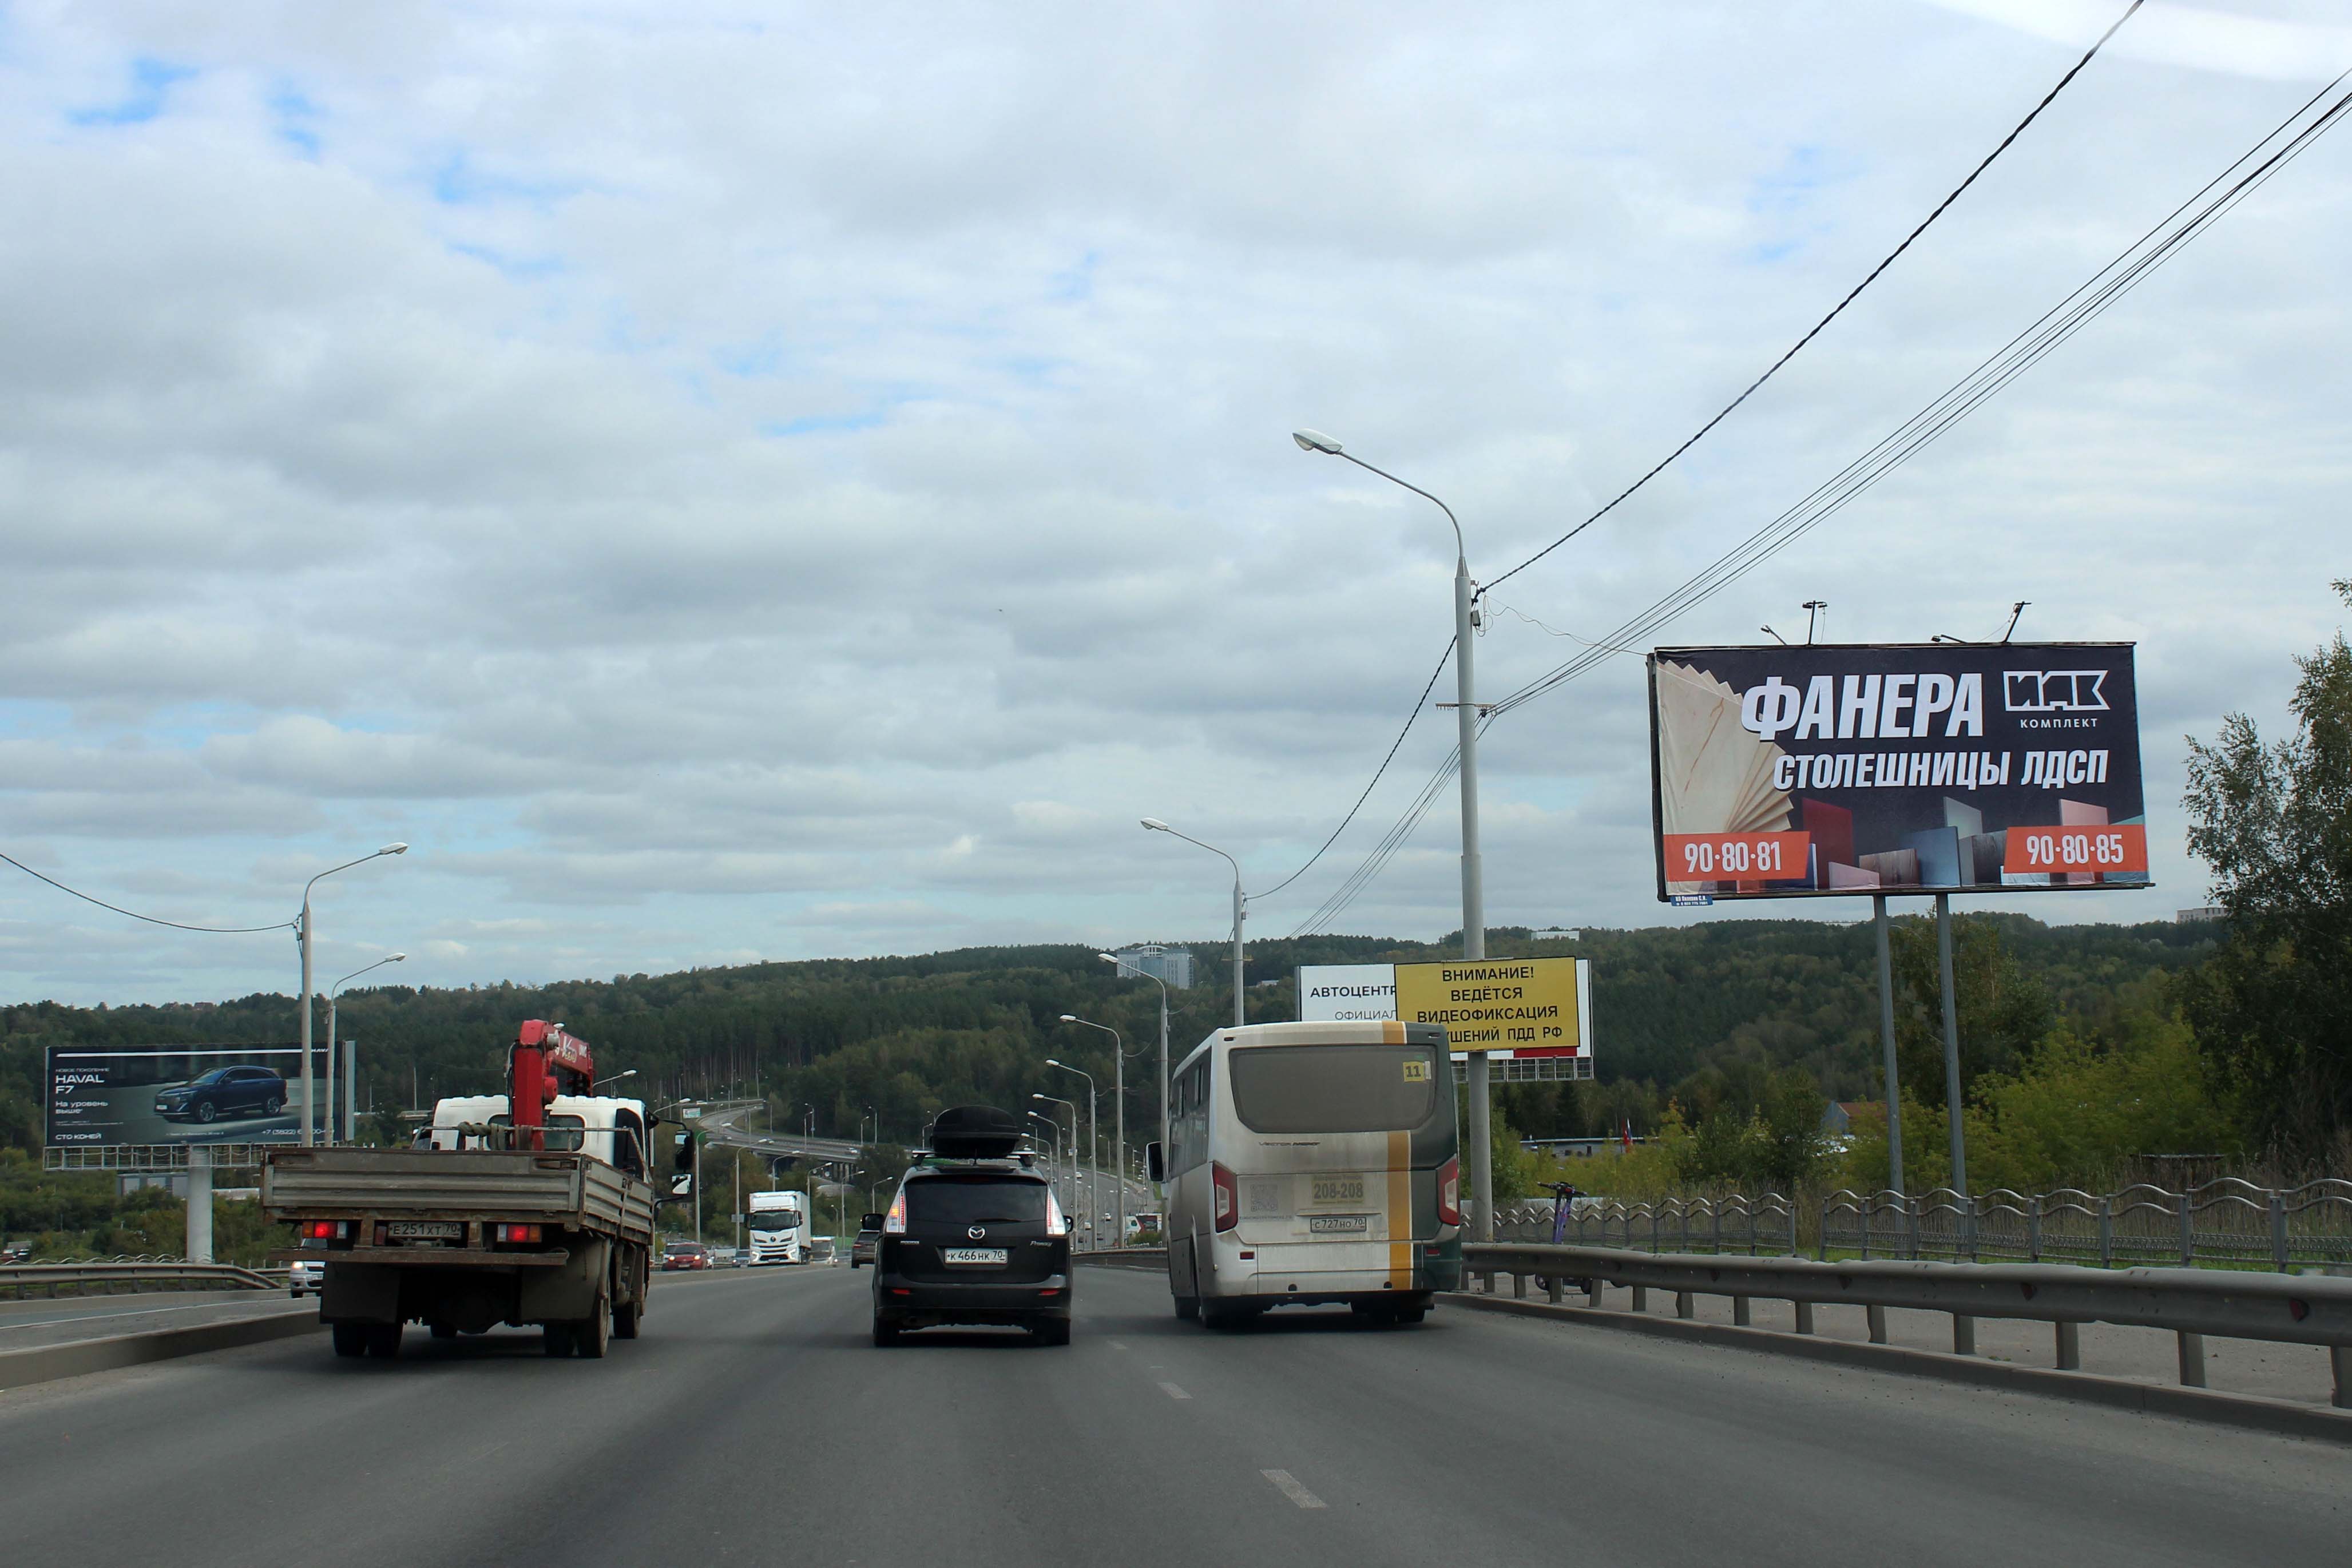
150 919
1420 702
1835 311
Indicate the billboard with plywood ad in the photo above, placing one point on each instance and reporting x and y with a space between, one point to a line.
1820 770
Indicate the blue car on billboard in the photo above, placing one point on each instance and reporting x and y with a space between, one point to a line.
223 1092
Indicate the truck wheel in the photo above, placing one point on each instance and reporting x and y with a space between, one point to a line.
1188 1308
555 1339
384 1340
592 1334
625 1319
351 1338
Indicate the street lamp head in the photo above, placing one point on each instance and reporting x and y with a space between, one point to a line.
1051 1063
1069 1017
1157 826
1039 1097
1108 957
394 850
397 958
1315 441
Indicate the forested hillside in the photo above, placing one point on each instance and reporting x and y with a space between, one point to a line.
905 1036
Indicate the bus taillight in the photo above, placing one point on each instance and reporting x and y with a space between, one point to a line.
1229 1204
1449 1192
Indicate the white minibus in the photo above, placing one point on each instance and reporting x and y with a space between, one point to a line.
1312 1163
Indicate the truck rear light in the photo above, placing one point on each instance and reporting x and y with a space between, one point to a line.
325 1229
1449 1192
523 1233
1228 1197
894 1222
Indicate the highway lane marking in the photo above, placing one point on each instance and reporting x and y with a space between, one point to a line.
1174 1391
1290 1487
1118 1344
144 1313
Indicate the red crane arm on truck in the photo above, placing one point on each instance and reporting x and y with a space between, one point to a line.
547 1061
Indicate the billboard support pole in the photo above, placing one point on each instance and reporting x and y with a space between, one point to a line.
1951 1043
1886 1041
200 1204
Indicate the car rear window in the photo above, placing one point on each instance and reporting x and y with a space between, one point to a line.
975 1200
1334 1088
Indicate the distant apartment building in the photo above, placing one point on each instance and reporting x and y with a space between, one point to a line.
1170 965
2199 915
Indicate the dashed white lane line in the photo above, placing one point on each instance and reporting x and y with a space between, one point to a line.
1289 1488
1118 1344
1174 1391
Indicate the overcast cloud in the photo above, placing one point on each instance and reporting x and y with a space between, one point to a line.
764 481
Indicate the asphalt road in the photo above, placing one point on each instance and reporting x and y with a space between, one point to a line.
754 1423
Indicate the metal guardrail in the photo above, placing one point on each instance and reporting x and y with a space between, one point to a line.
1733 1223
18 1280
2190 1303
1153 1259
2227 1221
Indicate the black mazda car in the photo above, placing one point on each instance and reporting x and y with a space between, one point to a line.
974 1236
223 1092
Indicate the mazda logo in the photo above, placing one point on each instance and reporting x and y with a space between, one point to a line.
977 1231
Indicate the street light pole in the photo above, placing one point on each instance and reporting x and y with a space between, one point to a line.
302 932
1474 886
1118 1126
1093 1147
1126 968
350 1077
1240 907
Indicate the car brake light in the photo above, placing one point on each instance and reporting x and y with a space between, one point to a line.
894 1222
1449 1192
1228 1200
527 1233
1055 1225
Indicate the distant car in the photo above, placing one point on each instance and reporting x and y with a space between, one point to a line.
224 1092
868 1237
305 1278
742 1257
685 1255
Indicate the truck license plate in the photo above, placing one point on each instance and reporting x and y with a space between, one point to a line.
426 1230
986 1256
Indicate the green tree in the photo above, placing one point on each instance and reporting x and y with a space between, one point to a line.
2003 1010
2271 1009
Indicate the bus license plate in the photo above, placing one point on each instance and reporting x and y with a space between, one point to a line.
1338 1224
1326 1190
426 1230
985 1256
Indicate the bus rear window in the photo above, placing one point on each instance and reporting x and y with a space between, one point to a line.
1334 1088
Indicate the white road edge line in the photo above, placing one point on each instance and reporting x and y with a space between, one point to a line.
1290 1487
1174 1391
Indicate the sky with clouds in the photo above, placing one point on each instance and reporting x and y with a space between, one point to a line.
761 481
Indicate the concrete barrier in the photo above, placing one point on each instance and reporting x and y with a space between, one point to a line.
46 1364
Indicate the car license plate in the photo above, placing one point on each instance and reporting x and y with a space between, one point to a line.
1338 1224
426 1230
1326 1190
985 1256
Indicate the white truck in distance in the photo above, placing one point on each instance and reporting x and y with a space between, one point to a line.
778 1222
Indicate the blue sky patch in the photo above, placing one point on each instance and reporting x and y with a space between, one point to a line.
292 116
151 80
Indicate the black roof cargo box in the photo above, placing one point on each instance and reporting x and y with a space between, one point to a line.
974 1133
